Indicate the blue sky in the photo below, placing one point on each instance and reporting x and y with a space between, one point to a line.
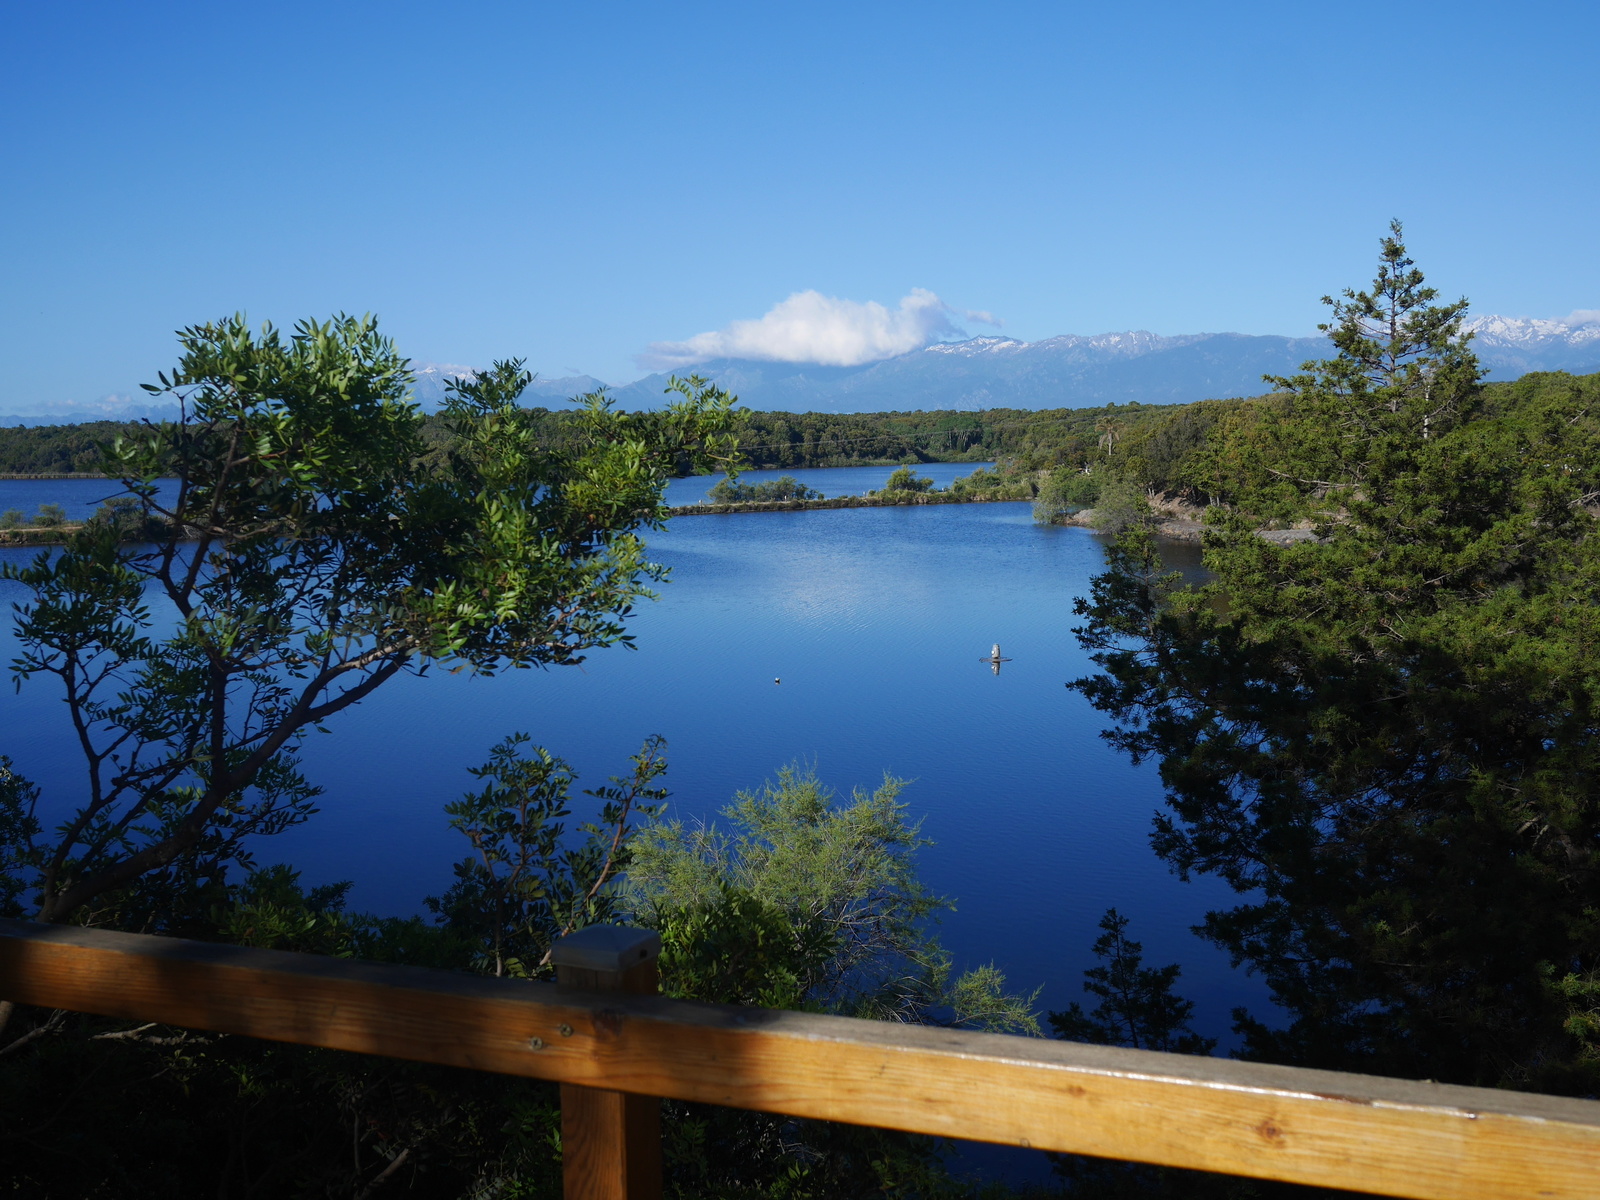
573 183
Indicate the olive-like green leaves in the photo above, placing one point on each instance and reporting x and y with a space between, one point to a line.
310 549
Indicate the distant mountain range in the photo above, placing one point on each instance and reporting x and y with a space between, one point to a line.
998 372
1085 372
107 408
1512 346
429 390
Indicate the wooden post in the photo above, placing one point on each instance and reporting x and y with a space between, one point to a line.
610 1141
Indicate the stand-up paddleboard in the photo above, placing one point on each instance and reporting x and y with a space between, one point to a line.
994 658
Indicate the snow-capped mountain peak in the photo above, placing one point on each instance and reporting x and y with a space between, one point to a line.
1512 346
975 346
1576 330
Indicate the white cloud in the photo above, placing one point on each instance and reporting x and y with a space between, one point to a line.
809 327
1580 317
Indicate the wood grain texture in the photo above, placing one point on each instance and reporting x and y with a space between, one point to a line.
610 1144
1363 1133
610 1141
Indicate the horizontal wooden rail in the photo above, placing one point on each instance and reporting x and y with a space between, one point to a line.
1358 1132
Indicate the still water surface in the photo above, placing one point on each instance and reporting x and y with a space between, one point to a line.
875 621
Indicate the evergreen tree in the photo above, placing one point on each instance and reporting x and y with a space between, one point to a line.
1385 739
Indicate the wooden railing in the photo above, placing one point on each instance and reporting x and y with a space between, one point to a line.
614 1050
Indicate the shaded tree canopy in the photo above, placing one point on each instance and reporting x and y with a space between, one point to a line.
1386 739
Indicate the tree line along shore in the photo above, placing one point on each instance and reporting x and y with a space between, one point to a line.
785 494
1100 467
768 440
1210 451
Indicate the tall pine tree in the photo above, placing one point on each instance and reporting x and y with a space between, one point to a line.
1386 739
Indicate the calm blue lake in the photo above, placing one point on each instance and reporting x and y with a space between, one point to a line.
875 621
77 497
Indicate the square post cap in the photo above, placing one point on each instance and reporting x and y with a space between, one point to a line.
607 948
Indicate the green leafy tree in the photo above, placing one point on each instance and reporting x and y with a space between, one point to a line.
1066 490
844 876
806 901
1120 505
904 479
524 887
1385 739
785 487
737 947
311 554
50 516
12 518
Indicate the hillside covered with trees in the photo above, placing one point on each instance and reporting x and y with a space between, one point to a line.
767 439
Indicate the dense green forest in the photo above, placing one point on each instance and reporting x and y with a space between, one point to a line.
58 449
1247 454
1028 439
1212 451
767 439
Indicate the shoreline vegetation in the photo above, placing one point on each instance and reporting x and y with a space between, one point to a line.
1176 529
1209 449
56 535
1159 466
46 476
